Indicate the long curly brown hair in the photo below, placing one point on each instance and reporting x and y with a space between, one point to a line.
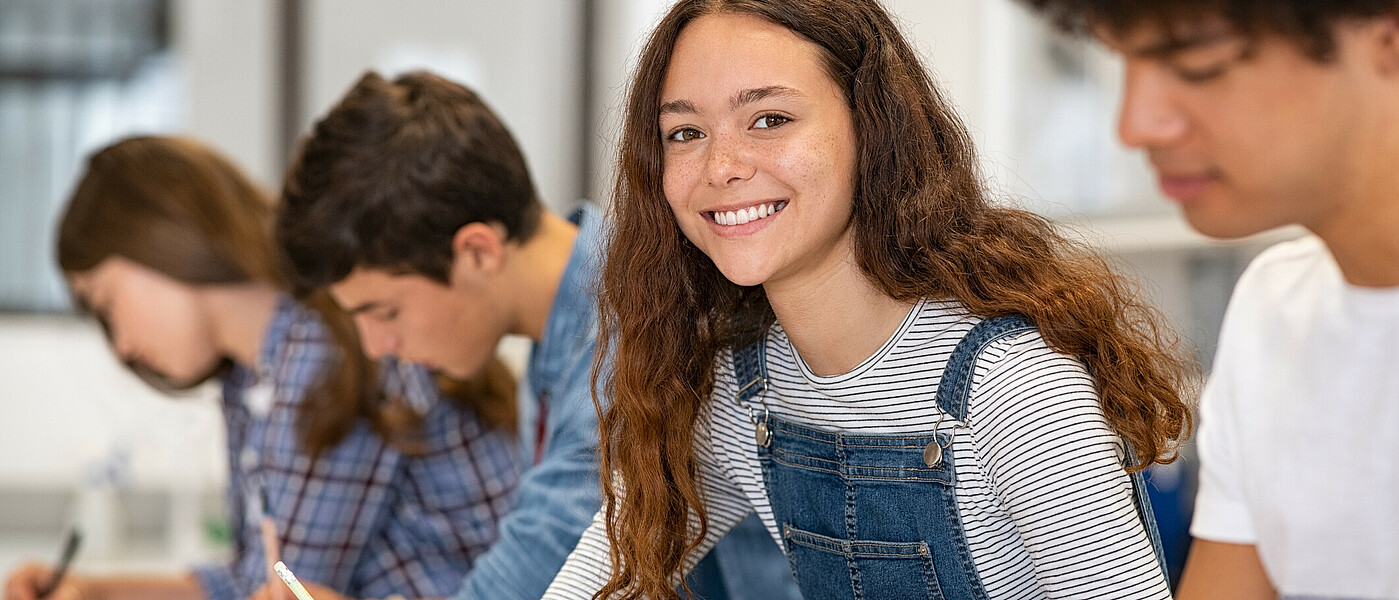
923 226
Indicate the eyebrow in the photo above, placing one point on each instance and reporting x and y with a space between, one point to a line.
363 308
744 97
756 94
683 107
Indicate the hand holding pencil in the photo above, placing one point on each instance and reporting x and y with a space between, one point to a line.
27 581
35 581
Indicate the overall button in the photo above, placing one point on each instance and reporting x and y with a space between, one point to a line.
932 454
762 434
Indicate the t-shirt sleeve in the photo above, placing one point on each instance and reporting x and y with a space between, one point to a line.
1221 515
1054 462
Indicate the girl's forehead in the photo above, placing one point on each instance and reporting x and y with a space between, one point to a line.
718 56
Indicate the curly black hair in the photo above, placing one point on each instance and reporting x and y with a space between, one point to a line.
1308 23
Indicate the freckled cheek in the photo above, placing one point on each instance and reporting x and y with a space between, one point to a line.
813 170
678 183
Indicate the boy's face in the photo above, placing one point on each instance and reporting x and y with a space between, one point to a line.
1247 134
421 320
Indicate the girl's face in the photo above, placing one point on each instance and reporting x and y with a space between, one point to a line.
152 320
759 150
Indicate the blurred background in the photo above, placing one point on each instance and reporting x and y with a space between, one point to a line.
83 441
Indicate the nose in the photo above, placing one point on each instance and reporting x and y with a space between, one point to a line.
378 341
121 342
729 160
1149 116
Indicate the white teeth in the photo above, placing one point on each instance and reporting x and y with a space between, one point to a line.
748 215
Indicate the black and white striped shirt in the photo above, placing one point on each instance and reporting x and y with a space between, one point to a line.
1045 502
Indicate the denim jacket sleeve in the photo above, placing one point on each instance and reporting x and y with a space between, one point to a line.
555 502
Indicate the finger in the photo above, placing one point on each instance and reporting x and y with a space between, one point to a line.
21 585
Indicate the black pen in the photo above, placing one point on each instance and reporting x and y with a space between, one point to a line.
70 549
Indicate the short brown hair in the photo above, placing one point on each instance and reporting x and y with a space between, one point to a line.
1308 23
391 173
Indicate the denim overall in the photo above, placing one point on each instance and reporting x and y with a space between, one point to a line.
875 516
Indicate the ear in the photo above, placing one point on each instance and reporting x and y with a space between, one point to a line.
478 251
1387 43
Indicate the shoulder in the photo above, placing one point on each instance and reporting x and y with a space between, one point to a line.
1020 375
296 334
1027 351
1285 269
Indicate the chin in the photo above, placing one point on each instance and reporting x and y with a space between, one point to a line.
743 277
1224 228
460 371
744 269
179 378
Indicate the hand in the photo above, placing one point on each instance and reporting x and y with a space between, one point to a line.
279 591
26 582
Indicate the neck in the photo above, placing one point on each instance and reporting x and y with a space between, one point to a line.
1363 232
536 269
834 315
1366 246
239 316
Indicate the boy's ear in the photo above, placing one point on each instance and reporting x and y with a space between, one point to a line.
1388 43
478 250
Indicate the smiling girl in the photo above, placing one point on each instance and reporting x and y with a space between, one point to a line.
377 482
820 316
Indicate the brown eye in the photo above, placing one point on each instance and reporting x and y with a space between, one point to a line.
685 135
770 121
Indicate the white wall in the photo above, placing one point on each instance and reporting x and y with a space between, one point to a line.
226 55
521 56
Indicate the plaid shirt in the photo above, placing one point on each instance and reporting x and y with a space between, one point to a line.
363 518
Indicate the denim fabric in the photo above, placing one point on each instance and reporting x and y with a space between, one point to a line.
865 516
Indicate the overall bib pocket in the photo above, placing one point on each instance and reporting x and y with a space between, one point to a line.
865 516
865 569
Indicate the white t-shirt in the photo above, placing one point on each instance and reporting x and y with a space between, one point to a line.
1299 427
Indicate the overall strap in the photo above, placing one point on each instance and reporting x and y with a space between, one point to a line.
1143 503
955 386
750 370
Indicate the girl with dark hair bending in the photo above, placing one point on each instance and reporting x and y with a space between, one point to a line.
378 482
819 315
